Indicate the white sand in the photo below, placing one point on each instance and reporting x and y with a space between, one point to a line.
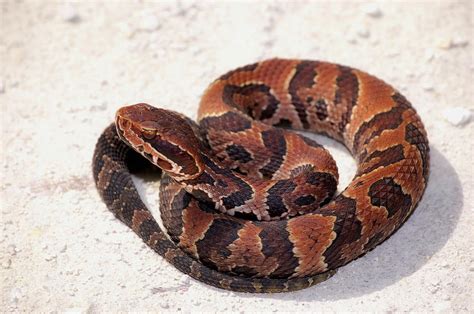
65 69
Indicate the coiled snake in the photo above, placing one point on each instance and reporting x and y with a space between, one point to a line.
247 206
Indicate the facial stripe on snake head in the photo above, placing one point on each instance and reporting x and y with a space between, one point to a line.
182 162
154 133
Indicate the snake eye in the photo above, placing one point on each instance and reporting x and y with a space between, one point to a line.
148 133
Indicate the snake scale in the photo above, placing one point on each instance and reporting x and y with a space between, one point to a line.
248 205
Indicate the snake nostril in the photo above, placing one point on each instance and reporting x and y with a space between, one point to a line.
123 123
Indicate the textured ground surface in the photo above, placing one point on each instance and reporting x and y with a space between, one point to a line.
65 69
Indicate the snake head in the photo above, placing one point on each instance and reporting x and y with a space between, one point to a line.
163 137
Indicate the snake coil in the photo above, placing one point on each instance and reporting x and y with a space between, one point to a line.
249 207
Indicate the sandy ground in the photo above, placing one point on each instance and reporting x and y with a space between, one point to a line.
66 68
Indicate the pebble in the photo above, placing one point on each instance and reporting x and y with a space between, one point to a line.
126 29
164 305
428 87
149 23
12 249
441 306
373 10
433 289
363 32
352 40
434 282
69 14
15 295
446 297
445 44
449 43
6 264
457 116
430 54
50 257
393 54
100 107
73 310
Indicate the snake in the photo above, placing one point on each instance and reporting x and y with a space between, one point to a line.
247 203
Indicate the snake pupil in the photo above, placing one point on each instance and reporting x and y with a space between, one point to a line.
148 134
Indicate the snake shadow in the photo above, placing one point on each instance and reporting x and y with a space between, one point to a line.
423 234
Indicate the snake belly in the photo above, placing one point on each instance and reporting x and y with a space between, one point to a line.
267 245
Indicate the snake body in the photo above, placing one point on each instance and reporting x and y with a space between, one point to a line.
249 207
